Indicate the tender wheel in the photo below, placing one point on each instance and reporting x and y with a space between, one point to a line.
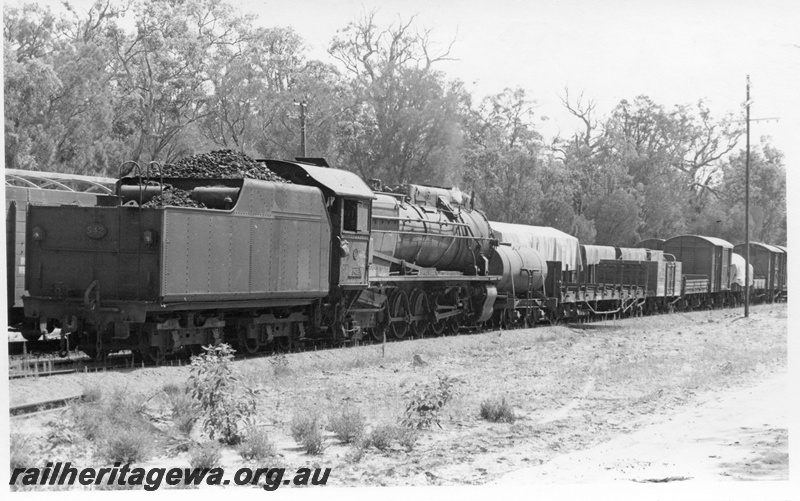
247 345
31 335
283 344
155 355
419 308
399 314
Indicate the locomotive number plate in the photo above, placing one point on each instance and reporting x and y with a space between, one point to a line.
96 231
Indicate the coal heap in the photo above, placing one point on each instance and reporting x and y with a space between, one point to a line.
221 164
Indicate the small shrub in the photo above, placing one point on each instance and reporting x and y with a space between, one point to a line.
226 405
173 389
280 364
407 437
205 455
348 424
256 445
314 442
497 411
92 393
425 402
60 432
184 408
306 431
126 445
22 452
90 419
381 436
356 453
302 424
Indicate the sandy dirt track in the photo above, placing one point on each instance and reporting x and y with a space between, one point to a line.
738 434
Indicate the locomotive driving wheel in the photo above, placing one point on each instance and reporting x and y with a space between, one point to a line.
399 314
378 332
437 326
419 308
452 324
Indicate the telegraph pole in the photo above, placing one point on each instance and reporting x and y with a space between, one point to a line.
303 105
747 208
747 200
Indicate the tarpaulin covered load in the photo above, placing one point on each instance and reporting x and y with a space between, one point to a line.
632 254
737 270
552 244
592 254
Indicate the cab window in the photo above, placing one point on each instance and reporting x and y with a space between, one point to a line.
356 216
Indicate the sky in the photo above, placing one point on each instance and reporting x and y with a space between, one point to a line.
674 51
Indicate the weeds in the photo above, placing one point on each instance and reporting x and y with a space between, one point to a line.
126 445
381 436
115 425
205 455
306 431
425 402
407 437
227 406
280 364
92 393
356 453
22 451
497 411
60 432
347 424
256 445
183 407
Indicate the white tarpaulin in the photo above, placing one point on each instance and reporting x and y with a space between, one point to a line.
552 244
594 253
737 270
633 254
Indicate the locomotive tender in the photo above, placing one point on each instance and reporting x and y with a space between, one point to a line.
319 258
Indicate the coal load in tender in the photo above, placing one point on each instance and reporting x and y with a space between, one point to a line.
174 197
221 164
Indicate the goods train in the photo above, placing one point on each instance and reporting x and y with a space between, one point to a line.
323 257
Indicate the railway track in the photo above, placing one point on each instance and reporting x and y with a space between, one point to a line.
31 365
42 406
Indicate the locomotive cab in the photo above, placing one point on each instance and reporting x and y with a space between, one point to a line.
349 202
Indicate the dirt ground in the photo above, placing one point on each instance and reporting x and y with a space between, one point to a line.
681 398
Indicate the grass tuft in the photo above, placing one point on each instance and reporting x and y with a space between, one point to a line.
205 455
497 411
256 445
306 430
347 424
381 436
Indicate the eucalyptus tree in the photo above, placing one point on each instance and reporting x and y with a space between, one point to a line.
402 124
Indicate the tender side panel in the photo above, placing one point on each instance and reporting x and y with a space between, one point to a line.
80 245
274 244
